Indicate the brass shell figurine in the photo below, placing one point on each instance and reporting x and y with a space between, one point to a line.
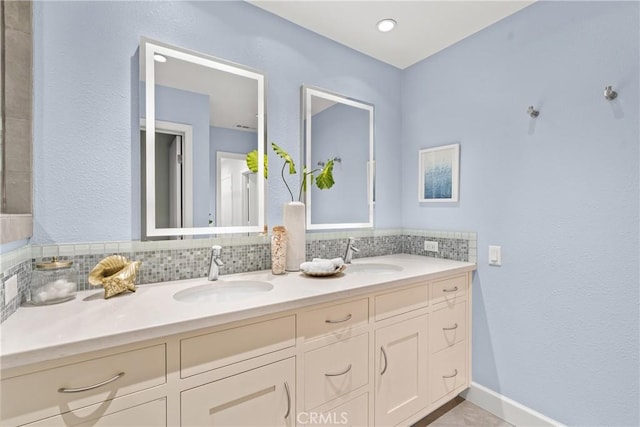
116 274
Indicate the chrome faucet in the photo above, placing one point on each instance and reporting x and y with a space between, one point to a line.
348 254
215 263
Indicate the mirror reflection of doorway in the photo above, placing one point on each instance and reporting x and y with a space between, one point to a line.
237 186
173 183
169 180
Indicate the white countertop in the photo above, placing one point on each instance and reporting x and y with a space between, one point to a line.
89 322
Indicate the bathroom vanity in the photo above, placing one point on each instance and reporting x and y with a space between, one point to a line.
370 347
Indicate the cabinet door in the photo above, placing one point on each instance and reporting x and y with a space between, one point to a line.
401 371
261 397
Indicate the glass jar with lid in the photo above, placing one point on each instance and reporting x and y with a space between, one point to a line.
53 282
279 241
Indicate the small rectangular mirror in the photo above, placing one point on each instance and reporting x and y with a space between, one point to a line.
200 117
340 128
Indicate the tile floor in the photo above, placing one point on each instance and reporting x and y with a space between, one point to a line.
460 413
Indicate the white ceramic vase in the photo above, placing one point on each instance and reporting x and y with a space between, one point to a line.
294 222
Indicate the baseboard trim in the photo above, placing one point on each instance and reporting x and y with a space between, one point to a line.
505 408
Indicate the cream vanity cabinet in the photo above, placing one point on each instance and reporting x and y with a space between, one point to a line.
241 373
422 350
411 340
251 384
334 364
121 388
383 358
260 397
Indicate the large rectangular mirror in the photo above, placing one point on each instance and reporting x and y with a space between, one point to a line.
340 128
200 116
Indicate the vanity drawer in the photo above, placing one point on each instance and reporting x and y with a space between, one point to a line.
150 414
448 371
354 413
448 290
398 302
43 393
337 318
217 349
335 370
448 326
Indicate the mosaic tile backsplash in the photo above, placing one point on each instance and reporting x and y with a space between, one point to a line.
187 259
178 264
367 246
23 270
456 249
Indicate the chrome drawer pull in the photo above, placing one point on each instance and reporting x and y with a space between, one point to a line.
91 387
384 353
339 321
339 373
455 372
286 388
455 288
455 326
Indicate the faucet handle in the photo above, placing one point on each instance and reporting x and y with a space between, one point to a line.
216 250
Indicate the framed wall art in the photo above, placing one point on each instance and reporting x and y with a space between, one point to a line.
439 174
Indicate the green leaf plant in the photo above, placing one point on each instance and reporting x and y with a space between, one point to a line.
323 178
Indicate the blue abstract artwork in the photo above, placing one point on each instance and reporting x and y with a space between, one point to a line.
438 182
439 173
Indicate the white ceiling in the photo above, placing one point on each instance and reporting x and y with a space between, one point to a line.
233 99
424 26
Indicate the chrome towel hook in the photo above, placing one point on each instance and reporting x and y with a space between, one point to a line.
533 112
335 159
609 93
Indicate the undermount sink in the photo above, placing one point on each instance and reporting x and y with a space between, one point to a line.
219 291
372 268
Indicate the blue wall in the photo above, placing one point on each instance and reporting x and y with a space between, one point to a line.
86 102
556 327
341 131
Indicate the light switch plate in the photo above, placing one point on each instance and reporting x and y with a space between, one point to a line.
430 246
10 289
495 255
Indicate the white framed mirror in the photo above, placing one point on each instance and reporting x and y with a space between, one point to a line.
341 128
200 116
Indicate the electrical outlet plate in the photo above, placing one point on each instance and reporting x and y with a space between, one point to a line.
10 289
430 246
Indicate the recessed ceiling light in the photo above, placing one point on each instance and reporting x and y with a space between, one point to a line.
386 25
159 58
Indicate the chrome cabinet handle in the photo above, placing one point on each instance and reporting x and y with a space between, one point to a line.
455 372
455 288
91 387
337 374
384 353
286 388
339 321
455 326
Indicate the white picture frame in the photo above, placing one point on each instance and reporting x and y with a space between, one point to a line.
439 174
